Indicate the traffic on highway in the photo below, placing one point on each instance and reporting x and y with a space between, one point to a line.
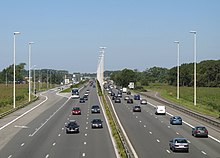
59 125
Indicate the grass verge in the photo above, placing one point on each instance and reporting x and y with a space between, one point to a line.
115 134
208 99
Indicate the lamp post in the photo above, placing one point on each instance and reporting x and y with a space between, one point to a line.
15 33
194 33
178 69
34 80
29 46
102 66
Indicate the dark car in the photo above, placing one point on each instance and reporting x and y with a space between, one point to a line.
136 108
176 120
128 92
117 100
137 97
76 111
130 101
113 97
96 123
179 144
82 100
119 95
95 109
199 131
72 127
85 97
112 94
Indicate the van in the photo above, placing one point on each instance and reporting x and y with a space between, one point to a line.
160 110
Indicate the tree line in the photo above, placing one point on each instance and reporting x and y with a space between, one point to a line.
41 75
208 75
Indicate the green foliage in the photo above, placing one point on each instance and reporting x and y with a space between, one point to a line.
208 99
112 124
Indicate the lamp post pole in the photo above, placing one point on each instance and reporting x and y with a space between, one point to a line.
15 33
29 46
194 33
102 66
178 69
34 80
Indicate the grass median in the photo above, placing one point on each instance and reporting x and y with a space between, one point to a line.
115 134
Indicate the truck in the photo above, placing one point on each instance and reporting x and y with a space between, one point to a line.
124 90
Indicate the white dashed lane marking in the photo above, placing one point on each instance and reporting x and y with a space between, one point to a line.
158 140
22 144
84 154
168 151
84 143
204 152
9 156
47 156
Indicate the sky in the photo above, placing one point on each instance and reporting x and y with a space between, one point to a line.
137 34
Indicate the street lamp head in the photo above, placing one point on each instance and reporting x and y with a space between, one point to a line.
31 43
102 47
193 32
16 33
176 42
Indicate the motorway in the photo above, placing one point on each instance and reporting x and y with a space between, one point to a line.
149 134
40 132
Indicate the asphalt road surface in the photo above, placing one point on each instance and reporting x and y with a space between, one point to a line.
149 134
41 132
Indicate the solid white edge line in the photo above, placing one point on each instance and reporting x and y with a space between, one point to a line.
125 134
109 129
213 138
24 113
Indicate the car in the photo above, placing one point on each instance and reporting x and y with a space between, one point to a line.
113 97
109 92
128 92
86 94
137 97
112 94
143 102
176 120
119 95
95 109
126 97
87 91
96 123
179 144
85 97
82 100
130 101
200 131
117 100
136 108
72 127
160 110
76 111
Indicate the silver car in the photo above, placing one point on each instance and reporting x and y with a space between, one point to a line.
179 144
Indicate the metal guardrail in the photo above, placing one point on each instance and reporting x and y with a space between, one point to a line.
120 133
16 108
184 110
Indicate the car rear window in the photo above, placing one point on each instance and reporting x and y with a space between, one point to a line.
181 141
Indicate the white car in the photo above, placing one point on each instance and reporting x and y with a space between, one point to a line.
160 110
143 101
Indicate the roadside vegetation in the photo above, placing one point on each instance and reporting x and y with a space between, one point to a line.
22 95
115 134
208 99
68 90
164 80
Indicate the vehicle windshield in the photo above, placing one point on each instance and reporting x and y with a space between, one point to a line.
181 141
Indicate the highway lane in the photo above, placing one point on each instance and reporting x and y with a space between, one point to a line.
45 135
150 133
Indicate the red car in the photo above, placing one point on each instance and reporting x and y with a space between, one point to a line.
76 111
